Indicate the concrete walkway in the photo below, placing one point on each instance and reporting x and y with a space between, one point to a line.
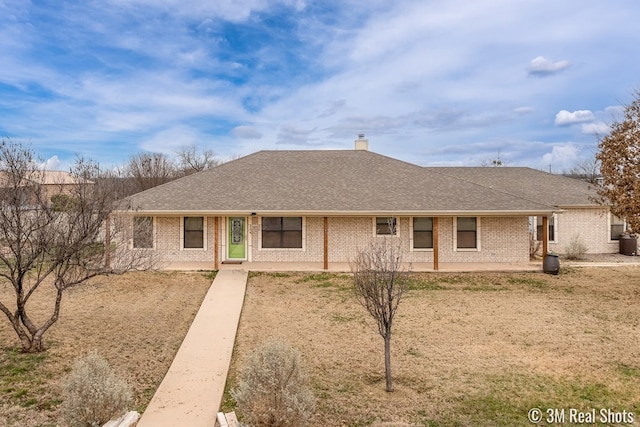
191 392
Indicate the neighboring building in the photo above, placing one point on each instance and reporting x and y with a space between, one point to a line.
50 183
323 206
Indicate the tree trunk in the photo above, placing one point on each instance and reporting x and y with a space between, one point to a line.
36 345
387 360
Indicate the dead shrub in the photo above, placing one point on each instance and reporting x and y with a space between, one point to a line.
576 248
273 391
92 393
535 246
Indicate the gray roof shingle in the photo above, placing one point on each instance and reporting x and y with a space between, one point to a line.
330 182
531 184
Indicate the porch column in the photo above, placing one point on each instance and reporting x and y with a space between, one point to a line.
436 265
545 236
326 244
216 240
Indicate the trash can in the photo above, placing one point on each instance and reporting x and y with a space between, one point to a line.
628 244
551 264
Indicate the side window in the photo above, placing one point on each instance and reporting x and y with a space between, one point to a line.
552 228
194 232
467 233
617 227
423 233
386 226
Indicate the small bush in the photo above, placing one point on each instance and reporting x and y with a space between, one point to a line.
535 246
273 391
93 394
576 248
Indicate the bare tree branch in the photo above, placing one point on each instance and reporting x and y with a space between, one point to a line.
149 170
191 160
380 283
61 243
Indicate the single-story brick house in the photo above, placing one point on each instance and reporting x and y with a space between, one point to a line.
323 206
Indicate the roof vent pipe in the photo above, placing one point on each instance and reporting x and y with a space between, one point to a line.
361 143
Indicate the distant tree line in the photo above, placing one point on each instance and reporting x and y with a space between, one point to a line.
146 170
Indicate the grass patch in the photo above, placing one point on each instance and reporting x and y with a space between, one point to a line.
529 282
278 274
628 370
485 287
422 284
507 399
316 277
341 318
327 280
209 274
17 382
17 366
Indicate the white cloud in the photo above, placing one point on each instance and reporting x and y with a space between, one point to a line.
562 156
51 164
543 67
246 132
598 128
413 75
565 118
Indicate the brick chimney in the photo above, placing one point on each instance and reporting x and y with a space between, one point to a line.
361 143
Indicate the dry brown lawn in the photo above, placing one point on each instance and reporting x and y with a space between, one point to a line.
135 321
468 349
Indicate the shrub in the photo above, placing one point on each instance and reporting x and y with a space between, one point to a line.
576 248
273 391
92 393
534 246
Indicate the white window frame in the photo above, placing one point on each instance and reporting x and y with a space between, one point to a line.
412 249
304 234
555 229
610 222
204 233
478 234
375 226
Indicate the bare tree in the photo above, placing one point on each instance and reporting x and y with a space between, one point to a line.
149 170
620 166
191 160
586 169
380 283
43 244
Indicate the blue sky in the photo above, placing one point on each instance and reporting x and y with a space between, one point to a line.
430 82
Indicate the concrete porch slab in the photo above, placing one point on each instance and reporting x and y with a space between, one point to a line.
338 267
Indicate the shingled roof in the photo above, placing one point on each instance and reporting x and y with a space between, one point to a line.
332 182
531 184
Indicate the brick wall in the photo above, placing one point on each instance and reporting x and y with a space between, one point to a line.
169 241
501 240
590 224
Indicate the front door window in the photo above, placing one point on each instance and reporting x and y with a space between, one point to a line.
237 238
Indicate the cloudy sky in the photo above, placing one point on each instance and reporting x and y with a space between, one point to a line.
434 82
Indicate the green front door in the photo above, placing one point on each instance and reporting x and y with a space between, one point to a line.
237 233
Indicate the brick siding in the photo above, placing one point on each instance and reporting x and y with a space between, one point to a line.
591 225
502 239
